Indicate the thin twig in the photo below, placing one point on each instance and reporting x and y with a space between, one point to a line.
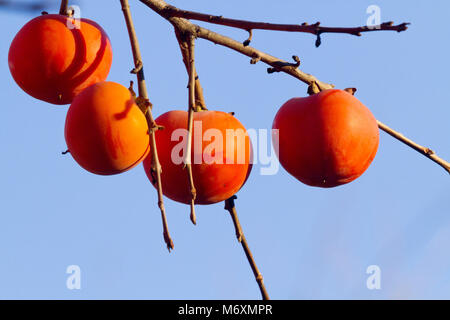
143 99
63 7
230 207
421 149
199 98
316 29
191 110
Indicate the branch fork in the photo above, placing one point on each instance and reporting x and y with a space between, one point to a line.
278 66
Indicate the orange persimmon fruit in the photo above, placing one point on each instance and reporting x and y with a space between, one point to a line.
326 139
53 57
221 156
105 131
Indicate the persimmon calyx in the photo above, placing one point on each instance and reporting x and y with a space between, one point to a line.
313 88
350 90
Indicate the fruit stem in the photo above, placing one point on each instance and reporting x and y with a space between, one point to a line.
231 208
143 95
313 88
63 7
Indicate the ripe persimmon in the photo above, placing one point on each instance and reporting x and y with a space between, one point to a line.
105 131
53 60
327 139
221 156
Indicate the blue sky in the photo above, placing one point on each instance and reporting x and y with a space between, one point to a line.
309 243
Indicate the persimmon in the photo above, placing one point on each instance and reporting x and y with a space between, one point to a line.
52 60
326 139
221 156
105 131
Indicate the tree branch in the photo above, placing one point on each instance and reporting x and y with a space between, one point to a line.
316 29
421 149
145 104
191 109
199 98
230 207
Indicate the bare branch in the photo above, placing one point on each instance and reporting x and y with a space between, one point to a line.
199 98
421 149
316 29
230 207
191 109
143 100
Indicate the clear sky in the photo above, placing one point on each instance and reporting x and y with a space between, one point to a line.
309 243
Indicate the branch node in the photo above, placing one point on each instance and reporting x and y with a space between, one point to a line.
403 26
144 104
215 18
229 204
155 127
168 10
65 152
278 66
297 61
255 58
249 39
318 39
139 66
130 88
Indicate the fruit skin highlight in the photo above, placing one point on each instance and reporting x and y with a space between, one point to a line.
214 182
105 130
53 63
327 139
